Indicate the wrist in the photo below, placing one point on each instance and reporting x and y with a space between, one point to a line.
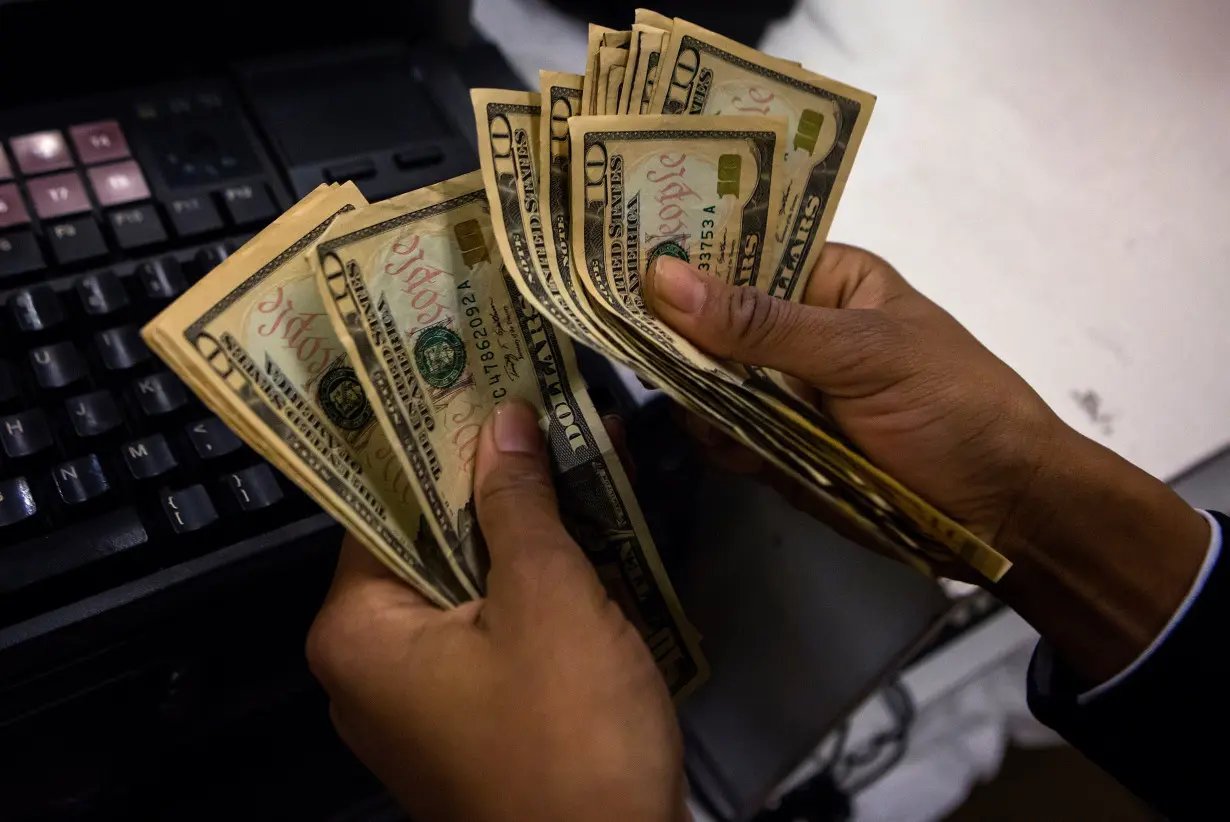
1103 554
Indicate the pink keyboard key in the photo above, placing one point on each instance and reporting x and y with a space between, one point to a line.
58 194
99 142
118 183
41 151
6 171
12 209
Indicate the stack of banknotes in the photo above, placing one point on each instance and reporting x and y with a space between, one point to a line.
359 347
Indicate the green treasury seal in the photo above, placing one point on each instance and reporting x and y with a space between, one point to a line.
440 356
341 397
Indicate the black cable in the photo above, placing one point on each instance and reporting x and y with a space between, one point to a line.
899 703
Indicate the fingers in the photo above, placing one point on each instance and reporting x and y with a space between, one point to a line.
533 559
839 351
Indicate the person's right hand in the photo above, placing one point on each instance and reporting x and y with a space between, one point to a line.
905 381
1102 552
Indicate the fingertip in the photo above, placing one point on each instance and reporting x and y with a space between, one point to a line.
674 287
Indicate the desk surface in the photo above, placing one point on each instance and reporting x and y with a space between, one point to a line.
1055 175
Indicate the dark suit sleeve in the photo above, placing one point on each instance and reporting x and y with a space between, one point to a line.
1162 730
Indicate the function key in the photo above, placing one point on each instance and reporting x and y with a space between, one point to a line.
57 365
58 195
136 226
12 207
211 438
19 254
93 414
80 480
254 488
6 170
16 501
189 510
102 293
24 433
194 215
413 159
75 240
122 348
41 151
99 142
36 308
248 204
353 170
162 279
160 393
149 457
118 183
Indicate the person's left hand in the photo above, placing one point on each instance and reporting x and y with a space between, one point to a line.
538 702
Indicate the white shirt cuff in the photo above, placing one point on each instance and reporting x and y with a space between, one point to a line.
1210 560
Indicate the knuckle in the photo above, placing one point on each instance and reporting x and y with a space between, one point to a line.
514 488
753 317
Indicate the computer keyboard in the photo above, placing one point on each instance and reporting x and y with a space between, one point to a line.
110 469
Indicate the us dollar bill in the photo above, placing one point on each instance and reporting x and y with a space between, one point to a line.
253 341
599 36
699 189
704 73
441 363
610 58
644 59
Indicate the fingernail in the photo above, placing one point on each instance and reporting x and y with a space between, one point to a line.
678 285
516 429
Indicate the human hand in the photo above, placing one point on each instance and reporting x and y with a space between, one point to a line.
1102 552
906 382
539 702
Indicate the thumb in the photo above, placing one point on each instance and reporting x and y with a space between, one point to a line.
834 349
534 561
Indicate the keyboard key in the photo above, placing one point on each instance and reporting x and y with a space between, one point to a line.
211 438
12 207
413 159
80 480
93 414
137 226
248 204
24 433
160 393
73 241
41 151
16 501
122 348
354 170
69 549
163 279
209 258
37 308
19 254
254 488
57 365
8 388
189 510
149 457
58 195
99 142
194 215
6 170
102 293
118 183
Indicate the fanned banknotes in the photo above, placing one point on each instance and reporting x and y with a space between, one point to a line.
359 348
